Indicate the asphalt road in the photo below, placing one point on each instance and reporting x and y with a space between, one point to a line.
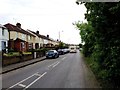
67 71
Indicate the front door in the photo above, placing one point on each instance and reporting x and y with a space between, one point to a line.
22 47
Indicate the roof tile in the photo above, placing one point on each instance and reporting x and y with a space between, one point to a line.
11 27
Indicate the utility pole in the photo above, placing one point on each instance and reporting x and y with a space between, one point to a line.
59 35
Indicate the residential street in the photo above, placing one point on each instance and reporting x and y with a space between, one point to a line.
67 71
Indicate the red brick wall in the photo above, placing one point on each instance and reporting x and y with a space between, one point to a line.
17 45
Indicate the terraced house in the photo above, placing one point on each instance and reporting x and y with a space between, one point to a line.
19 39
4 37
43 41
39 42
47 41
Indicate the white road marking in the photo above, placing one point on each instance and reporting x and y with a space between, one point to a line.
21 81
37 74
53 64
56 64
63 58
35 81
27 86
21 85
40 76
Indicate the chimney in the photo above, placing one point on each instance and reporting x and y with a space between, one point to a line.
18 25
47 36
37 32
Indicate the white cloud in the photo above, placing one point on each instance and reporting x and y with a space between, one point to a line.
47 16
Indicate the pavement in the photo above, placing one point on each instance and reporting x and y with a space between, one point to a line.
21 64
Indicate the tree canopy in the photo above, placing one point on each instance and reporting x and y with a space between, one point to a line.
101 36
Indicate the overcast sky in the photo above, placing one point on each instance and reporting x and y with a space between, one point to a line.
47 16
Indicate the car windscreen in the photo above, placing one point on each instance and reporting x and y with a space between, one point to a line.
72 48
50 52
60 50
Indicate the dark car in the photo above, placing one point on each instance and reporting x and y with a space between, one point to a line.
66 50
61 51
52 54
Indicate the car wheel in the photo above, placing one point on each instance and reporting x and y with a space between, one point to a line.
55 56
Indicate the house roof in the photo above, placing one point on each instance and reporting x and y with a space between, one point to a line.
42 36
1 26
18 39
11 27
39 35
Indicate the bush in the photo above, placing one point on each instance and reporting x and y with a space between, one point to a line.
11 50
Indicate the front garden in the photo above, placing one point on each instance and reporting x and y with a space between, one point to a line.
16 57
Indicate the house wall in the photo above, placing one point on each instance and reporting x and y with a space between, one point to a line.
35 40
41 42
45 41
23 36
31 40
2 44
17 46
14 35
4 38
53 43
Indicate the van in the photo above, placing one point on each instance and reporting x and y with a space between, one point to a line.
73 49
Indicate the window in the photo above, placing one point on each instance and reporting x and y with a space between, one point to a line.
3 31
22 45
16 34
23 36
30 46
28 37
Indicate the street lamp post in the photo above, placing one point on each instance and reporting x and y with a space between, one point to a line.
59 35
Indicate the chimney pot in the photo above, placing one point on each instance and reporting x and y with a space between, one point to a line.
18 25
47 36
37 32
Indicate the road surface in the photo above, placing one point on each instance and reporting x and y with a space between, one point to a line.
67 71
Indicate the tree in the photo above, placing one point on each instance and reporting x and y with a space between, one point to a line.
102 39
61 45
80 45
87 37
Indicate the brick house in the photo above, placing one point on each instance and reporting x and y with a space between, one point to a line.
19 39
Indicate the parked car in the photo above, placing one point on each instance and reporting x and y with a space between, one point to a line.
66 50
52 54
61 51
